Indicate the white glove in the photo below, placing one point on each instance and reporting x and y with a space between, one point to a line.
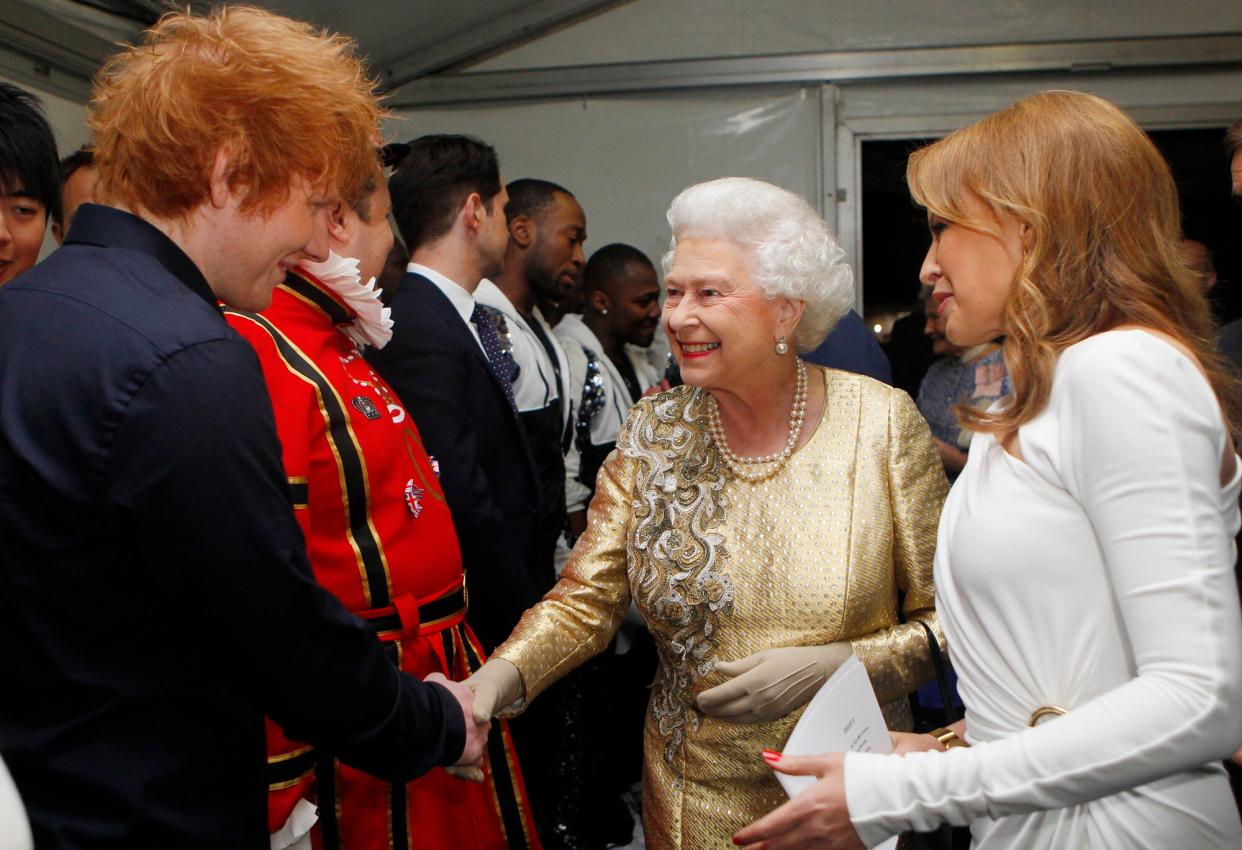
770 684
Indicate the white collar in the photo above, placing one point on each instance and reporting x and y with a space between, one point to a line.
493 296
372 324
458 295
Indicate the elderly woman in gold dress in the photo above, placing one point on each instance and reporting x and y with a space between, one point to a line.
765 519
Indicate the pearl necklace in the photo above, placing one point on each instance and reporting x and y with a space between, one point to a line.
773 463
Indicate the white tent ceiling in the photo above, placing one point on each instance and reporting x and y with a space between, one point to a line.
57 44
429 51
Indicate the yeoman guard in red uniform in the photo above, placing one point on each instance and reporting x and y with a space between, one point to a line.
380 537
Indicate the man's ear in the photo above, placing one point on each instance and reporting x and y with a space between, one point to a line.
341 225
599 301
472 213
221 170
522 231
57 233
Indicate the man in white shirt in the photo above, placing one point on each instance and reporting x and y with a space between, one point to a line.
546 229
607 351
544 256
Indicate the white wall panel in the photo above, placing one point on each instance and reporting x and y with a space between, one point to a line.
627 157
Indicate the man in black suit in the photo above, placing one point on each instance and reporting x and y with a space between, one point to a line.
448 362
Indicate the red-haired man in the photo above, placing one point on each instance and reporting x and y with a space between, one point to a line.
155 598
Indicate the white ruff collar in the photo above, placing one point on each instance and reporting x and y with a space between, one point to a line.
372 324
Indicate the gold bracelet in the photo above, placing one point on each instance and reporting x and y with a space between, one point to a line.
947 738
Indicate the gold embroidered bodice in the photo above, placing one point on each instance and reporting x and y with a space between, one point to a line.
722 568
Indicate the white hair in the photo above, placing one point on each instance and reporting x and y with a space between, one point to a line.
793 253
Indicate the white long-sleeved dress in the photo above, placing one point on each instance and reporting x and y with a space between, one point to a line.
1095 574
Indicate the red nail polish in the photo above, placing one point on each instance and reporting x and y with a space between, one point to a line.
738 843
771 755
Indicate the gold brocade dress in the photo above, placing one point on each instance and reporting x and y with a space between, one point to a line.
721 568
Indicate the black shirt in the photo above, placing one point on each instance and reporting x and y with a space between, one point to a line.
626 370
155 598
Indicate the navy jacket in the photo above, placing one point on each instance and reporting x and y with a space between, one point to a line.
155 599
441 375
852 347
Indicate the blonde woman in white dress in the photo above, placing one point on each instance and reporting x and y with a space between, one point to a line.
1084 569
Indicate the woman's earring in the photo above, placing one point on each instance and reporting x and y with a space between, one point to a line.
782 347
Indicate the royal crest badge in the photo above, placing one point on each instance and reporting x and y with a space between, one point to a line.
366 407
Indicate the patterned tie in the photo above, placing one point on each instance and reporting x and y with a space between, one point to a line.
500 360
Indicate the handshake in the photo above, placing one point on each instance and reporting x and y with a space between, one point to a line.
495 686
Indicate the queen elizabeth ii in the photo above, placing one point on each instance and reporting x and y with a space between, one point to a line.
767 519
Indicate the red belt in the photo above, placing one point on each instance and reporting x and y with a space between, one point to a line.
405 617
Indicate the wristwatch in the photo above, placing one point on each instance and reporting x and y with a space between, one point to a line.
947 738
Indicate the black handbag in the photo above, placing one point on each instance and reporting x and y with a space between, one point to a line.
943 837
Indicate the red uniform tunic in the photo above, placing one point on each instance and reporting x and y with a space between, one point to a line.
380 537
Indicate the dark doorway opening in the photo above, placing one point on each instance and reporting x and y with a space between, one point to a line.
895 234
894 230
1209 215
895 240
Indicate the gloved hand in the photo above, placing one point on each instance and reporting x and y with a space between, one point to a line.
770 684
496 685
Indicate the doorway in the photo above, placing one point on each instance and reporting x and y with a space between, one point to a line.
895 237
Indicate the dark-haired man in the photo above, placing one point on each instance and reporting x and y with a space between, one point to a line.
78 176
547 228
29 181
606 348
448 365
543 262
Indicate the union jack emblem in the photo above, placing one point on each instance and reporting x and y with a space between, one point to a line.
414 498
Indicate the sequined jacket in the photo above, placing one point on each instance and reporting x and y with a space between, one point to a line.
722 568
602 407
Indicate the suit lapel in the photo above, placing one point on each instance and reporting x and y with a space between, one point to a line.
444 308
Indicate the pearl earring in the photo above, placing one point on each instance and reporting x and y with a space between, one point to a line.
604 312
782 347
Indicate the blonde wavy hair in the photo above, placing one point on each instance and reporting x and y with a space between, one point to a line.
281 98
1105 234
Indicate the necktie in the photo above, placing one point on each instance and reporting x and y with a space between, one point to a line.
500 361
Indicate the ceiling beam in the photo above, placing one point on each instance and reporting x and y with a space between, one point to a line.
37 74
47 51
835 67
502 32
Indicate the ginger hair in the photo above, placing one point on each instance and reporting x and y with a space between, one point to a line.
1105 237
279 98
